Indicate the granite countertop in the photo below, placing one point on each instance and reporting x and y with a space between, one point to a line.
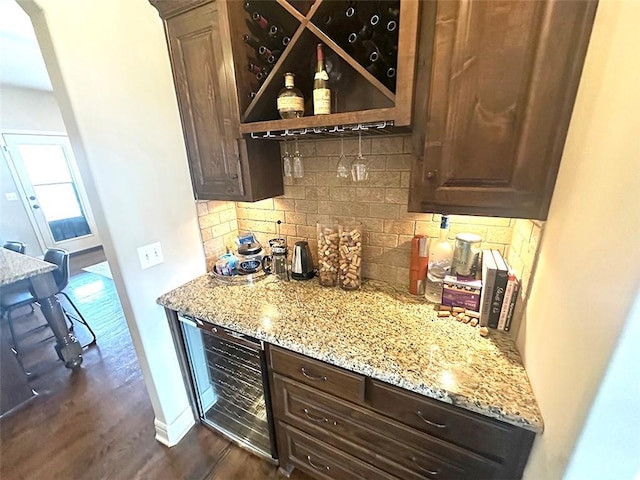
381 331
16 266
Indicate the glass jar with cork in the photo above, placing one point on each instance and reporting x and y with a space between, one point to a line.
350 255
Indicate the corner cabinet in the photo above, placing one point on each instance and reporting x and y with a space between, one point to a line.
489 131
223 165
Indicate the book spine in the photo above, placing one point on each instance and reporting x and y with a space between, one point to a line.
512 305
497 298
488 282
505 303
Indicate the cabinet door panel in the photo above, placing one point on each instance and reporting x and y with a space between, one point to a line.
502 87
205 87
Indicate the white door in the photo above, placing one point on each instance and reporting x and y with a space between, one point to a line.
53 191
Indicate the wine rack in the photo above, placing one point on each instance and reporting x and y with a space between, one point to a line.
369 54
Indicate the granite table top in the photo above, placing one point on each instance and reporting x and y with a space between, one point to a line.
16 266
380 331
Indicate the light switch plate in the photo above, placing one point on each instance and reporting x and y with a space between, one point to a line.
150 255
11 196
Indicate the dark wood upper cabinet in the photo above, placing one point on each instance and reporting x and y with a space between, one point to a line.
223 165
495 89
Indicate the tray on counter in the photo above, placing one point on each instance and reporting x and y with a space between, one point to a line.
239 278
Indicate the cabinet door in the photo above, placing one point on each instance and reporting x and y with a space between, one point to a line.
203 73
490 132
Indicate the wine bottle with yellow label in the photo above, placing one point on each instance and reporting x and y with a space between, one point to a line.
321 92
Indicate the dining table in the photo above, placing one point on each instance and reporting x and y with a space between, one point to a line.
15 267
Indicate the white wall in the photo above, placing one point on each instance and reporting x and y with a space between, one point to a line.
23 110
26 109
589 266
615 415
110 71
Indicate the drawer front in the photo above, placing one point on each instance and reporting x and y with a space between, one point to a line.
484 436
390 446
327 378
321 460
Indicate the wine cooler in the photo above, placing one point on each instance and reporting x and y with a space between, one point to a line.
227 373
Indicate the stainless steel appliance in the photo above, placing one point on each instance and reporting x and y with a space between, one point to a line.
228 384
302 267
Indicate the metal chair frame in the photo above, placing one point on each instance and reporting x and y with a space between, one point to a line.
61 276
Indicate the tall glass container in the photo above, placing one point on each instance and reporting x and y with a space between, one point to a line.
350 249
440 255
328 243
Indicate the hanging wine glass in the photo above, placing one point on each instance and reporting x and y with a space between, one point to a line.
286 159
298 168
360 167
342 170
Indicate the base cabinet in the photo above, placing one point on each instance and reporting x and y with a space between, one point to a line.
384 433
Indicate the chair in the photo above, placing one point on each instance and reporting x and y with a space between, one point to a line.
19 247
14 300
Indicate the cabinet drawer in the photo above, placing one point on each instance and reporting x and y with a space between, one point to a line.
321 460
392 447
479 434
327 378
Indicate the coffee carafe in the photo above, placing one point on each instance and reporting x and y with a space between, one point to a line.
277 263
302 267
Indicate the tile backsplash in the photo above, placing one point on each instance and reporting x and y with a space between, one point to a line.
380 204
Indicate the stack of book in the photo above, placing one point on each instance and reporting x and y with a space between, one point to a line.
500 289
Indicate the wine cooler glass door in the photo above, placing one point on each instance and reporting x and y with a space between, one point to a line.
228 383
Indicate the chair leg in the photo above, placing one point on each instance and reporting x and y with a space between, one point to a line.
78 316
14 347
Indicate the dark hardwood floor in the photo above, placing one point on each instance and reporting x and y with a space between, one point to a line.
97 423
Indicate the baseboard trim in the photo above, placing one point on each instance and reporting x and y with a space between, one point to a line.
171 434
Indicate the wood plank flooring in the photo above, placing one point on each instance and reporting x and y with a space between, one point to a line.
97 423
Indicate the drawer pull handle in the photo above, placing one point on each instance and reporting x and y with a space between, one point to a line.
428 422
314 419
317 419
317 467
433 473
312 377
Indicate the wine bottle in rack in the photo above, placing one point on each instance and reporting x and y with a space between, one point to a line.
261 73
278 36
252 42
387 46
290 102
321 92
270 56
364 33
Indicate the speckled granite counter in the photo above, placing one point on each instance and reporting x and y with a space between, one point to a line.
380 331
15 266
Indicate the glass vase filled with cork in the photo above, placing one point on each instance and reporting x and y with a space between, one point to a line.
350 255
328 244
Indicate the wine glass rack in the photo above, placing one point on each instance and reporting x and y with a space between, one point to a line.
370 56
375 128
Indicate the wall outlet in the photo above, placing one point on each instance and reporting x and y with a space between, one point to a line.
150 255
11 196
